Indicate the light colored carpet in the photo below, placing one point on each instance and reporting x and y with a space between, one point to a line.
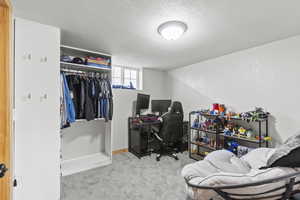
129 178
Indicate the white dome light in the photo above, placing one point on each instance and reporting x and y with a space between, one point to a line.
172 30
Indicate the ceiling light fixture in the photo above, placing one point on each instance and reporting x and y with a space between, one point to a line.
172 30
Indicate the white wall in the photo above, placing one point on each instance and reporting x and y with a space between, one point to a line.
266 76
153 84
122 110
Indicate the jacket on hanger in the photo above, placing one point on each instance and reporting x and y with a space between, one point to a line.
70 110
89 106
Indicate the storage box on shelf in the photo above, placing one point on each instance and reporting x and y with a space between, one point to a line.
207 133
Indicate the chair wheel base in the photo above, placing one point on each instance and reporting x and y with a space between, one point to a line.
174 156
158 157
170 155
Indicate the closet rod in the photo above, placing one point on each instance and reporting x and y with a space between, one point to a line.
73 71
83 73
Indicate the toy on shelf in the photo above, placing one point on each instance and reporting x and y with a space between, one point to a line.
229 115
229 129
209 141
267 139
249 133
257 114
217 109
228 132
222 109
242 131
204 111
196 123
232 146
206 140
232 129
243 150
206 125
211 124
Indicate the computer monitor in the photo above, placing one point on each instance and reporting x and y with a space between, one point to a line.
160 106
142 102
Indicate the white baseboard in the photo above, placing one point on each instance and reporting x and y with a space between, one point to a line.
73 166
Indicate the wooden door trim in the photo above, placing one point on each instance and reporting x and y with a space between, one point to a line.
5 3
5 97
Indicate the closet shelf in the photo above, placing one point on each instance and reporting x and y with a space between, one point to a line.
74 66
84 163
84 50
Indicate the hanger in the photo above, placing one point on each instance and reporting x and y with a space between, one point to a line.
102 76
105 76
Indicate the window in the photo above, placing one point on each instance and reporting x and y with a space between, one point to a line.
125 77
117 76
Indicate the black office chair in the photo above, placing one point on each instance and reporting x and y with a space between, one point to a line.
171 131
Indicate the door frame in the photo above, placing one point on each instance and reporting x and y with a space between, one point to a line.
6 97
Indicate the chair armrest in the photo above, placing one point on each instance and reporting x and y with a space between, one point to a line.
155 129
157 136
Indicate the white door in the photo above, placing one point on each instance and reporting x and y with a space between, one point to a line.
37 137
49 108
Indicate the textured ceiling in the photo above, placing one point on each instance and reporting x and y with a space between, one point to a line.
128 28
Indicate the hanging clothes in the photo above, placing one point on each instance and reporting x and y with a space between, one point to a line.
74 84
89 105
68 106
63 105
105 96
82 99
110 99
91 97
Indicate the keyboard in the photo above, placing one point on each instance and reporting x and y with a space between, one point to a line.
149 119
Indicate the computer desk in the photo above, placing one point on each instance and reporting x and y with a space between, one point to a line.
139 135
